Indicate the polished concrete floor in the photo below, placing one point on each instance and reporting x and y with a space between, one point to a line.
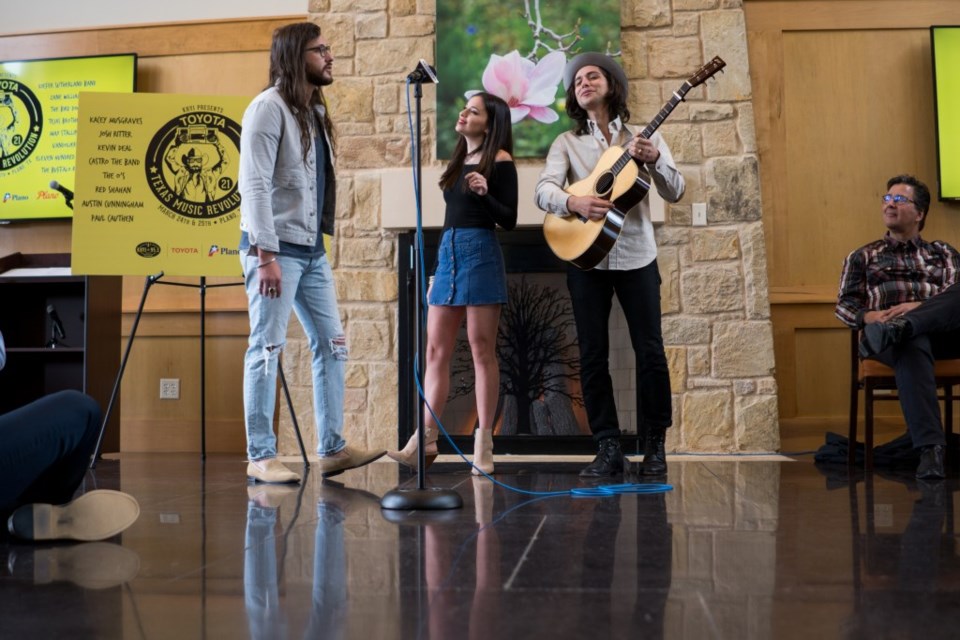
739 548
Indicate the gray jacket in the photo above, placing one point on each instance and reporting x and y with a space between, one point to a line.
277 188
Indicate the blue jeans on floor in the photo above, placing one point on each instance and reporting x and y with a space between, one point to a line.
45 449
261 570
307 287
328 615
261 593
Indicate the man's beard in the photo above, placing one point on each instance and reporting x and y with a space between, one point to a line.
319 79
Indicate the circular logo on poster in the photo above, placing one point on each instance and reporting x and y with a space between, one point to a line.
21 122
148 249
188 162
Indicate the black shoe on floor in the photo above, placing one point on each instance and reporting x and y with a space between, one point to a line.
931 463
879 336
609 460
654 453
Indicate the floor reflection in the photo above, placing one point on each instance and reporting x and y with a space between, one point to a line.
739 549
906 577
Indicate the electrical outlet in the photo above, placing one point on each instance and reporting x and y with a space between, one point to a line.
169 388
699 214
883 515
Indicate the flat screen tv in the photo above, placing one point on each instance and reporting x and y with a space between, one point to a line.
38 128
945 45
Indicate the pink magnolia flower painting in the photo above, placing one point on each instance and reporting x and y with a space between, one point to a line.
517 50
529 88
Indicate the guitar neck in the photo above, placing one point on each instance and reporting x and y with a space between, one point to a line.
666 111
655 124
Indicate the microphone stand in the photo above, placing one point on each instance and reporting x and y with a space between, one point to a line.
420 498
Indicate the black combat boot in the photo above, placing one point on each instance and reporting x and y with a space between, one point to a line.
654 456
609 460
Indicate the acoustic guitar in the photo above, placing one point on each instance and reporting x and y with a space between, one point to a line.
617 178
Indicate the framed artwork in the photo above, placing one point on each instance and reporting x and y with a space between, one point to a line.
516 50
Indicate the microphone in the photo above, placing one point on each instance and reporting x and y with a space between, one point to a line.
67 194
423 73
56 327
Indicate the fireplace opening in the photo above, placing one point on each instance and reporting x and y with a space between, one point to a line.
540 407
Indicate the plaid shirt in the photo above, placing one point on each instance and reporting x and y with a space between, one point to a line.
888 272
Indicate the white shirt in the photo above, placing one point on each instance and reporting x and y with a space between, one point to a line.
572 158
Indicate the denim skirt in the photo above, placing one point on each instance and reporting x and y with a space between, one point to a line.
470 269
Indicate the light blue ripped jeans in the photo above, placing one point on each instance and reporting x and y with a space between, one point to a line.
307 287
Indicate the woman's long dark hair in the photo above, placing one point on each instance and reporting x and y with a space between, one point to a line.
499 136
616 104
288 73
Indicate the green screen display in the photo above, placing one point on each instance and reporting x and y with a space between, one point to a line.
38 127
945 42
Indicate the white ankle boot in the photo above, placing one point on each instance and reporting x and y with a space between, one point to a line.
482 451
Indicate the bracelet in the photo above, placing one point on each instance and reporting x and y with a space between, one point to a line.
263 264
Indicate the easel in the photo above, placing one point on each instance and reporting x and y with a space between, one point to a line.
203 286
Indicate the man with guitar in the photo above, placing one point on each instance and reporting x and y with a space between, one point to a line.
596 100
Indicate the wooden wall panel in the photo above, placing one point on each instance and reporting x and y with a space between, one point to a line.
859 109
168 346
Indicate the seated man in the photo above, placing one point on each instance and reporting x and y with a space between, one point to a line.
901 290
45 450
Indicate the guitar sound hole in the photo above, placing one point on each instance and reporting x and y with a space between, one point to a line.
604 184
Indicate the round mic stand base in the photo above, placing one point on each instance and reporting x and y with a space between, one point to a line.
421 499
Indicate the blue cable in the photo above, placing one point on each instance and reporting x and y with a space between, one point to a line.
601 491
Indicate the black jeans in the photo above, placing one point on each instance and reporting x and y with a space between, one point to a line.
935 326
638 291
45 449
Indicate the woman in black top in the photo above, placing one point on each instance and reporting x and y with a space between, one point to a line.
480 189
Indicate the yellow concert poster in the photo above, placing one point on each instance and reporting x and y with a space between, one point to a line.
156 185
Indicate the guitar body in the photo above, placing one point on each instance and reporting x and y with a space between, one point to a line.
586 242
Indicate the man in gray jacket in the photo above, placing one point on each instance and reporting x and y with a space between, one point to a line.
288 202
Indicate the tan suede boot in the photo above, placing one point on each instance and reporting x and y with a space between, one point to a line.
408 455
347 458
271 470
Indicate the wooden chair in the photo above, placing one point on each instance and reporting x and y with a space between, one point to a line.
871 375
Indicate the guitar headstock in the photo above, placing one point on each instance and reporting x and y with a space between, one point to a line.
707 71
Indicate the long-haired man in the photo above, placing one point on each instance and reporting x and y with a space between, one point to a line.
288 193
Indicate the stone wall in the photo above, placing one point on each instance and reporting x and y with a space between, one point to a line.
716 312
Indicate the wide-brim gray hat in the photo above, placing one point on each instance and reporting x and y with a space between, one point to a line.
595 59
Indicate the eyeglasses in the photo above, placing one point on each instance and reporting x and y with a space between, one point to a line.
323 50
897 199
